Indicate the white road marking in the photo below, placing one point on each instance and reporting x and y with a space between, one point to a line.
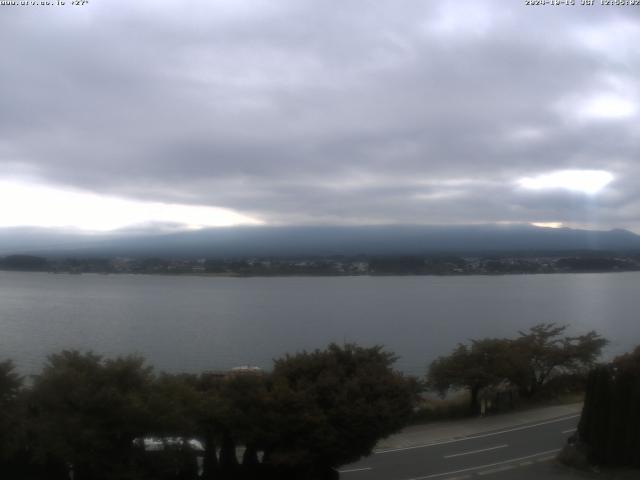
569 431
351 470
480 467
475 451
484 435
497 470
545 459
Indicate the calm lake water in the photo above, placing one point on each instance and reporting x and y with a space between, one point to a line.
203 323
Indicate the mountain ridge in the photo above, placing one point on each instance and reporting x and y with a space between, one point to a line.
289 241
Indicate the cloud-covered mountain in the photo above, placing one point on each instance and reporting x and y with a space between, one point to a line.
319 241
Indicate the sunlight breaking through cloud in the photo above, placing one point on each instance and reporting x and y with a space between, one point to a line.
39 205
607 107
585 181
547 224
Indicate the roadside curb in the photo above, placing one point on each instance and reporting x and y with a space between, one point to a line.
444 432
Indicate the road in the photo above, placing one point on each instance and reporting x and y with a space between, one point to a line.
484 455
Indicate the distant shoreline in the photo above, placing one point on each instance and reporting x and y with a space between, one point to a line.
328 275
332 266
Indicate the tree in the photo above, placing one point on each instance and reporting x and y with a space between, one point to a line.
11 420
209 419
528 362
10 382
542 352
330 407
86 412
481 364
608 430
244 401
174 402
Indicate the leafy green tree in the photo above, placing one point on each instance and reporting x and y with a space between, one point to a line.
608 430
529 362
10 382
209 419
476 366
87 412
628 362
542 352
174 402
244 399
11 418
330 407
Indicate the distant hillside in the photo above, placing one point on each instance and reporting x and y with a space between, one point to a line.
320 241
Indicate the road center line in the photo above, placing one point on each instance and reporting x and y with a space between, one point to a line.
474 437
351 470
475 451
479 467
569 431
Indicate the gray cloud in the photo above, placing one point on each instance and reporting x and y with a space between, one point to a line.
302 112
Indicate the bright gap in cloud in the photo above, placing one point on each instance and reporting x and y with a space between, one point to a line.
26 204
607 107
585 181
547 224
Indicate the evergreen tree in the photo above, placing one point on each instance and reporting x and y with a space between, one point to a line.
609 425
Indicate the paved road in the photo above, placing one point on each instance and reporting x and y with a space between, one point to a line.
484 455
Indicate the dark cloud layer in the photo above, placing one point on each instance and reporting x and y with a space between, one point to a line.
311 112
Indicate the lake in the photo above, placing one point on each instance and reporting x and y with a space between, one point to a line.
182 323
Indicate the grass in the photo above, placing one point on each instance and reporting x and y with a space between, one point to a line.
434 408
456 405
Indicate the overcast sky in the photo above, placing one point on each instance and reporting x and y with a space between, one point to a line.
319 112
